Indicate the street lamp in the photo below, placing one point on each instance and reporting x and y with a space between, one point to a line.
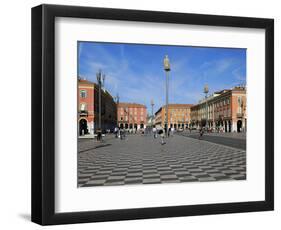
167 69
100 80
206 91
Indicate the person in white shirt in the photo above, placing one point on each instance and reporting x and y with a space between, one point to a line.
172 131
116 131
154 130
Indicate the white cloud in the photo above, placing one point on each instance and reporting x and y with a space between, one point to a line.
217 66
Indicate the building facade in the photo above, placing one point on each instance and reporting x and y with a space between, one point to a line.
85 107
131 116
178 116
224 110
108 110
88 108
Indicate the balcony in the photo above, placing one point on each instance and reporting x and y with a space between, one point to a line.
83 112
239 115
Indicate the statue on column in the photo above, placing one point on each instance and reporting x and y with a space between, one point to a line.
167 63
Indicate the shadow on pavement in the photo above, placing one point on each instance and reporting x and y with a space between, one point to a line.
96 147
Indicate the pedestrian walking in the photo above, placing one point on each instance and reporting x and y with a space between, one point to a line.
201 132
123 134
154 130
99 135
116 132
162 134
172 131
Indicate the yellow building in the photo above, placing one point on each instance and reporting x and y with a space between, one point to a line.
178 116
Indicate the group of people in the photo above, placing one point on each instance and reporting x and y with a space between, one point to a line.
162 133
120 133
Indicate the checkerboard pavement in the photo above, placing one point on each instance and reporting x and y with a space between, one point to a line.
143 160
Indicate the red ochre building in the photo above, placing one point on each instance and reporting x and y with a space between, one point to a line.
225 110
88 108
131 116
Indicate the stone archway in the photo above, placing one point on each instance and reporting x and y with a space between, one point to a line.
83 126
239 126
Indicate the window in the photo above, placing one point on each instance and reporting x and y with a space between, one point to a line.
83 93
239 100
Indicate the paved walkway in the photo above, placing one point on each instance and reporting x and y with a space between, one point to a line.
143 160
234 135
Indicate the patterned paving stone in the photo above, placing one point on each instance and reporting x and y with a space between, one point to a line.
143 160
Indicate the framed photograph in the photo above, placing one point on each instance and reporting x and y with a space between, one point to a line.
143 114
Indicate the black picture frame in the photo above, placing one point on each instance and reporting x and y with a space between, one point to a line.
43 114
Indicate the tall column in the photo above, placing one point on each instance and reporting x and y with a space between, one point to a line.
167 70
167 101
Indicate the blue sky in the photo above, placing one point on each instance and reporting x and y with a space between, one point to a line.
135 71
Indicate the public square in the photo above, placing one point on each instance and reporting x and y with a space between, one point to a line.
198 107
141 159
